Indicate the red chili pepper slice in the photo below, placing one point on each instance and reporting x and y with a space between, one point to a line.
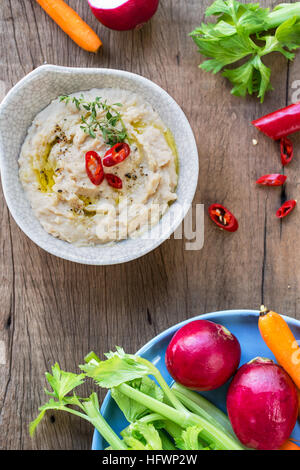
275 179
223 217
280 123
94 168
116 154
286 150
114 181
286 208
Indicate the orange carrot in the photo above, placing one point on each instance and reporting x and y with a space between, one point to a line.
289 445
279 338
71 23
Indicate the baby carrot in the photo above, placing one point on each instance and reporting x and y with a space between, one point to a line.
71 23
279 338
289 445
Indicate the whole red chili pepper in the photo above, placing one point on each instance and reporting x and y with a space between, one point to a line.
223 218
280 123
286 150
286 208
94 168
114 181
116 154
275 179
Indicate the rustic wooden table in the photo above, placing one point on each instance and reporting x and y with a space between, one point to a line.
54 310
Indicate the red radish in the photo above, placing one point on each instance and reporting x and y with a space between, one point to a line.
203 355
262 404
123 15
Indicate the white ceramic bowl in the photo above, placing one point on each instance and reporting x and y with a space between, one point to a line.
35 92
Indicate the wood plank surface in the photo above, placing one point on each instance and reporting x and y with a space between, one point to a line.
52 309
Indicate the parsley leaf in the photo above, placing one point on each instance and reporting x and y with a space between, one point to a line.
244 33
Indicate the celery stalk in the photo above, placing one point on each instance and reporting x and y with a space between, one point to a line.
283 12
210 433
200 405
95 418
167 391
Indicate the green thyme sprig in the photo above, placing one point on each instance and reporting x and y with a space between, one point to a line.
110 125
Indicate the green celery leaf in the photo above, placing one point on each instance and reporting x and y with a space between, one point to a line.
63 382
253 76
262 82
272 45
91 355
221 29
247 31
117 369
223 51
249 21
133 410
241 77
134 444
190 439
74 400
288 33
51 405
119 352
253 18
240 16
145 434
222 7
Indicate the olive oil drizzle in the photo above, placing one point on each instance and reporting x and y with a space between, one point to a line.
45 171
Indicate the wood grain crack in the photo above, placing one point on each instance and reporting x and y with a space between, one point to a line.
12 322
15 38
263 268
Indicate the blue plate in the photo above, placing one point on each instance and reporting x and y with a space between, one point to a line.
242 323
